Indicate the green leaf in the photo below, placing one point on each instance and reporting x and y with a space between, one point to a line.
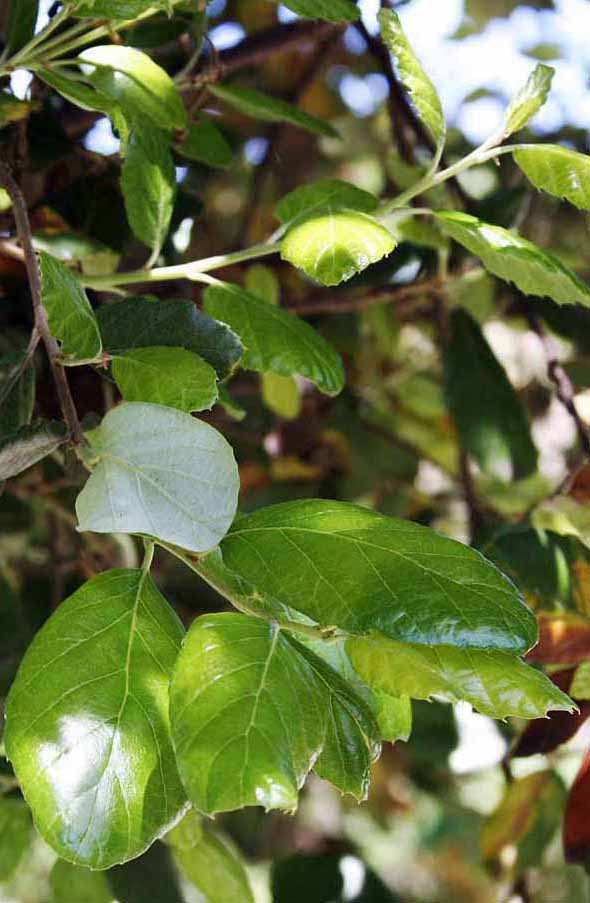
82 95
71 318
209 863
343 565
17 408
148 180
580 686
558 171
74 884
28 445
316 196
16 834
489 416
248 715
152 878
261 106
142 322
21 24
334 244
95 258
352 741
507 255
495 683
529 99
422 91
86 721
131 79
161 472
262 282
275 340
205 143
117 9
332 10
168 376
281 395
394 716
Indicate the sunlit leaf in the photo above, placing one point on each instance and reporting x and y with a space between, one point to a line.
169 376
529 99
558 171
332 10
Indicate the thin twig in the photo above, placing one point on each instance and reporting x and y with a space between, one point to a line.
23 228
403 296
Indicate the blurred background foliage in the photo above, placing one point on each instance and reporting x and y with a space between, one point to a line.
468 811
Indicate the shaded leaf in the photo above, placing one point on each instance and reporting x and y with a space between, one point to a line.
495 683
21 24
152 878
71 318
558 171
28 445
529 99
75 884
422 91
334 244
16 834
94 257
17 408
148 180
161 472
168 376
237 685
91 745
137 84
511 257
142 322
79 93
316 196
117 9
205 143
275 340
322 879
270 109
343 565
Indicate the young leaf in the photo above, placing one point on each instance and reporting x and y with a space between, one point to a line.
138 85
209 863
422 91
148 180
488 414
205 143
270 109
168 376
248 715
28 445
316 196
75 884
142 322
529 99
513 258
77 92
558 171
332 10
495 683
343 565
86 721
275 340
161 472
17 408
16 834
335 244
71 318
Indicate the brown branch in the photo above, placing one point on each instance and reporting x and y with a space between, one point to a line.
407 299
41 326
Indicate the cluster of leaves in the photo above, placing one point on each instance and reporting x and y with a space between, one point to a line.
120 727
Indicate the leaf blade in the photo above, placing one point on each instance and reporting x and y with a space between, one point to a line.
71 318
172 377
557 170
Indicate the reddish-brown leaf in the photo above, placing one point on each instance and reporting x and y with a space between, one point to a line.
576 825
564 639
543 735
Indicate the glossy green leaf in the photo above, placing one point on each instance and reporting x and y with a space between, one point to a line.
161 472
205 143
507 255
131 79
248 715
558 171
142 322
169 376
422 91
270 109
75 884
281 394
332 10
529 99
343 565
87 727
335 244
209 863
28 445
495 683
17 408
352 741
77 92
332 193
275 339
21 23
71 318
16 834
148 180
487 412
